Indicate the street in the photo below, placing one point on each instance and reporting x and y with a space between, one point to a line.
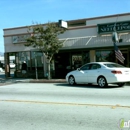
59 106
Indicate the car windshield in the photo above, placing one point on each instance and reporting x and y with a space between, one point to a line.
113 65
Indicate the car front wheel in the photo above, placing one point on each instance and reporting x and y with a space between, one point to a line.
71 80
121 84
102 82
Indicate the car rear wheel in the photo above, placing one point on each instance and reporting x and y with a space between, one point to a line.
121 84
72 80
102 82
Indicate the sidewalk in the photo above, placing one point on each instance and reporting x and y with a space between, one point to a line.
12 79
47 81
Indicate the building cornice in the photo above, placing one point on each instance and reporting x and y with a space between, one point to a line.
71 28
100 17
78 20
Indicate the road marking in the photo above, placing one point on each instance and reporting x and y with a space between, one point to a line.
67 103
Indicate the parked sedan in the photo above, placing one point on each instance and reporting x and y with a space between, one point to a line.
1 70
101 73
12 65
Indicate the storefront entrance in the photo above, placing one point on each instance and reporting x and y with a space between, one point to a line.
62 61
68 61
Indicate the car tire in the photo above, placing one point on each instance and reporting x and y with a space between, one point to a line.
120 84
102 82
71 80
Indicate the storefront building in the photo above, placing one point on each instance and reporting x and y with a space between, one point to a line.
86 40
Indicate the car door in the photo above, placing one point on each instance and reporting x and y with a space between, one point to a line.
94 72
82 75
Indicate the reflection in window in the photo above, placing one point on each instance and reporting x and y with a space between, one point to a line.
95 66
29 57
86 57
20 57
105 56
76 61
114 65
85 67
39 59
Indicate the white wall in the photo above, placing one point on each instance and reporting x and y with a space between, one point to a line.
14 47
13 31
79 32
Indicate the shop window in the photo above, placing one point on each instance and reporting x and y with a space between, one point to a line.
76 61
29 58
86 57
37 60
80 59
105 56
20 57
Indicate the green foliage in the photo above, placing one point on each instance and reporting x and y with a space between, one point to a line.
45 38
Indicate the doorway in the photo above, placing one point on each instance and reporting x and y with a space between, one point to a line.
62 64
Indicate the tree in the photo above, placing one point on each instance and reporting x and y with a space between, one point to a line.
45 39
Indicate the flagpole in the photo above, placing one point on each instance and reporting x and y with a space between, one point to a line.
119 56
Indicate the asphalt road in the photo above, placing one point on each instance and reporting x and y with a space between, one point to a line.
47 106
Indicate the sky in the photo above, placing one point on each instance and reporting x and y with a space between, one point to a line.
18 13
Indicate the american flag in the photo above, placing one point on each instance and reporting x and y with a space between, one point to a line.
118 54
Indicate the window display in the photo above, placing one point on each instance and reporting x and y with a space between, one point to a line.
105 56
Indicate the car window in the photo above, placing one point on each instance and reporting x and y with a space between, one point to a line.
95 66
114 65
85 67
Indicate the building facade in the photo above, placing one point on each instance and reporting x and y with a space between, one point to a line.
85 40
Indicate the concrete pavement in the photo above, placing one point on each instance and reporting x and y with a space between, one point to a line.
54 106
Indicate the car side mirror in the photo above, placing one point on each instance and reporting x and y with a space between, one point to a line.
78 69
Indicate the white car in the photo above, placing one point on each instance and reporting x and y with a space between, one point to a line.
12 65
1 70
101 73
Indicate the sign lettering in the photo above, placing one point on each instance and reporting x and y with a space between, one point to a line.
20 38
108 28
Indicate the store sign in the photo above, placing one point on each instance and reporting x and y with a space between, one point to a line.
108 28
63 24
20 38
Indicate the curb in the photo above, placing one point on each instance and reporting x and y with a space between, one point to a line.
48 81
